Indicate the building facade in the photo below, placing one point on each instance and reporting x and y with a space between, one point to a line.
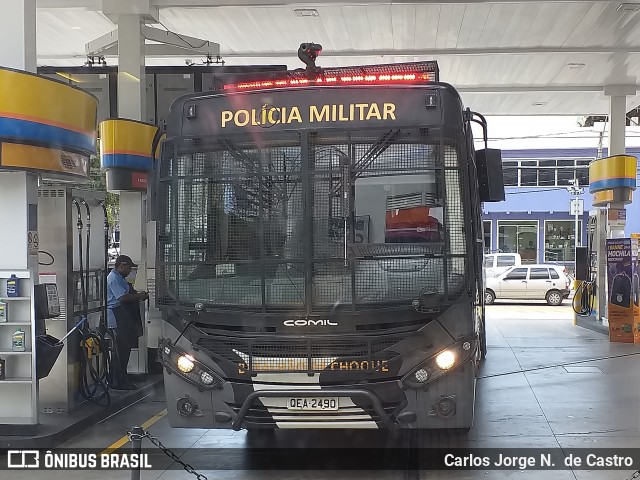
535 219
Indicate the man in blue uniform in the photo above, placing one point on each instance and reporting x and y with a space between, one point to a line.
123 318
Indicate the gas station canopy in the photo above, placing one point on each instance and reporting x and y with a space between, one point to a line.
525 58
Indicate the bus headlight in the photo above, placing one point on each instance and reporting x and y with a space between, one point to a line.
185 363
445 360
440 363
175 360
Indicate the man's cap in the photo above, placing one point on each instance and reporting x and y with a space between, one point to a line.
125 260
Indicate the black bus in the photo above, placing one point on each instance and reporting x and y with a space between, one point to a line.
320 251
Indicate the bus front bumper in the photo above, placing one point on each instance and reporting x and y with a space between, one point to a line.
447 403
369 398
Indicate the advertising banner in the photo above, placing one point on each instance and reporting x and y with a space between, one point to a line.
623 298
635 285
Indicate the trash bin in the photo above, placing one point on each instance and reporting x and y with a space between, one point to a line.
48 349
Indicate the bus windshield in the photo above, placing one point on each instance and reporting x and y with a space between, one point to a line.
313 220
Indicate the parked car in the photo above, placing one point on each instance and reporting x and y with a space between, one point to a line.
497 263
114 251
529 282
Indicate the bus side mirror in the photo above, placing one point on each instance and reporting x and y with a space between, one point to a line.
490 181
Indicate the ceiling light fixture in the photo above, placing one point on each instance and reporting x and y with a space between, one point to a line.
306 12
575 66
539 104
628 7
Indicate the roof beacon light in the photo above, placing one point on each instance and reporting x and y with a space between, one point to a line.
393 74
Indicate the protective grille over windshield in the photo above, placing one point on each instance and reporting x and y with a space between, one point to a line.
312 221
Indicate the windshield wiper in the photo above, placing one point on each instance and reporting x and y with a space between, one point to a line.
370 156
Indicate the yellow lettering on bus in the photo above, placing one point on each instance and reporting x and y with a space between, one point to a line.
294 115
374 111
226 116
341 116
323 113
389 110
274 116
254 120
318 116
244 121
361 107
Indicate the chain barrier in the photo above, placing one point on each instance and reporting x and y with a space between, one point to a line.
136 438
635 475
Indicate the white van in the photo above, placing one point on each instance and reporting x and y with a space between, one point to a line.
497 263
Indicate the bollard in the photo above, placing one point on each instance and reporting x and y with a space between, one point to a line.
136 449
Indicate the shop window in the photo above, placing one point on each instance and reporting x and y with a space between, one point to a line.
582 171
529 174
519 236
559 240
566 172
547 173
510 174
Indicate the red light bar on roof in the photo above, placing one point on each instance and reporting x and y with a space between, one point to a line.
394 74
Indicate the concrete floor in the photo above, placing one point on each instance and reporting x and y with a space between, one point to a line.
593 404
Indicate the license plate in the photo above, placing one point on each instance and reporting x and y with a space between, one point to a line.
312 403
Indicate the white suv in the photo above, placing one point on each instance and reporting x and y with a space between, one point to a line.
529 282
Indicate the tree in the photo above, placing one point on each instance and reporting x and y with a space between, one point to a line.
98 182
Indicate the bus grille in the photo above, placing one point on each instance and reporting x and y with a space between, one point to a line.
281 416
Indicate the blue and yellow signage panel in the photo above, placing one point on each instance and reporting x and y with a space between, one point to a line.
43 112
29 157
611 173
605 197
127 144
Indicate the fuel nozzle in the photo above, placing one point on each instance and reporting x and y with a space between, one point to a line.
88 209
77 205
106 217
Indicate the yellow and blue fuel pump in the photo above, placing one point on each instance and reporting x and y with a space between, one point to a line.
612 181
